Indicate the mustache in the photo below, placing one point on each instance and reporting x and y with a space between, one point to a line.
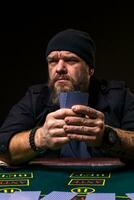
59 77
76 85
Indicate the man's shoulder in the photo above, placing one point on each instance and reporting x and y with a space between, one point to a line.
113 85
107 85
116 84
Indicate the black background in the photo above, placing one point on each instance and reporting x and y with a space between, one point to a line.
25 30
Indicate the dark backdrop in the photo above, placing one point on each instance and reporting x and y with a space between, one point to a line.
25 30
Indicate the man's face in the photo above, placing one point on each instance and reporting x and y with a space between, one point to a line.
68 72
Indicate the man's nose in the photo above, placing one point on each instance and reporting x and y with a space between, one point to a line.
61 67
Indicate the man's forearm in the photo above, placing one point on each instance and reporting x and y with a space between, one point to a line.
19 148
124 147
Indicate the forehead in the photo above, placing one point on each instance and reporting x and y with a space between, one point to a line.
61 54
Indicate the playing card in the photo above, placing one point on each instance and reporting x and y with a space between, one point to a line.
68 99
130 195
5 196
25 195
59 195
100 196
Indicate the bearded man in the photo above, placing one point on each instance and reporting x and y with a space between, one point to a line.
37 125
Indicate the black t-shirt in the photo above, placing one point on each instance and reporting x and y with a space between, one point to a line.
112 98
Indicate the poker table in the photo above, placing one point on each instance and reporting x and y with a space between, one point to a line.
98 175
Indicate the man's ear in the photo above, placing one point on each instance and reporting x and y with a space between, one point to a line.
91 71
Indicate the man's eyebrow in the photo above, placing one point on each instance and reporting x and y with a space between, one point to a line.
63 57
66 58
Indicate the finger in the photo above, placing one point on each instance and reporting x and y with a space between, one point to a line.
80 121
54 123
60 140
82 137
90 112
62 113
82 130
91 141
57 142
59 123
57 132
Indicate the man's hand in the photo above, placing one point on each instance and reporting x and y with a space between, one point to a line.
87 126
52 134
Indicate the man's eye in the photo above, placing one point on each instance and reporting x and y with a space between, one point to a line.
52 61
72 60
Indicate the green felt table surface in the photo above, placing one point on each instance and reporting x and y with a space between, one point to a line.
81 180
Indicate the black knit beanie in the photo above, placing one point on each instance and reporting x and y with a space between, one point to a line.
75 41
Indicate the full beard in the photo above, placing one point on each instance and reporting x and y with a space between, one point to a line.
80 85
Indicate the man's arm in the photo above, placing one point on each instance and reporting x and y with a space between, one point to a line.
50 136
80 123
119 143
92 129
20 150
